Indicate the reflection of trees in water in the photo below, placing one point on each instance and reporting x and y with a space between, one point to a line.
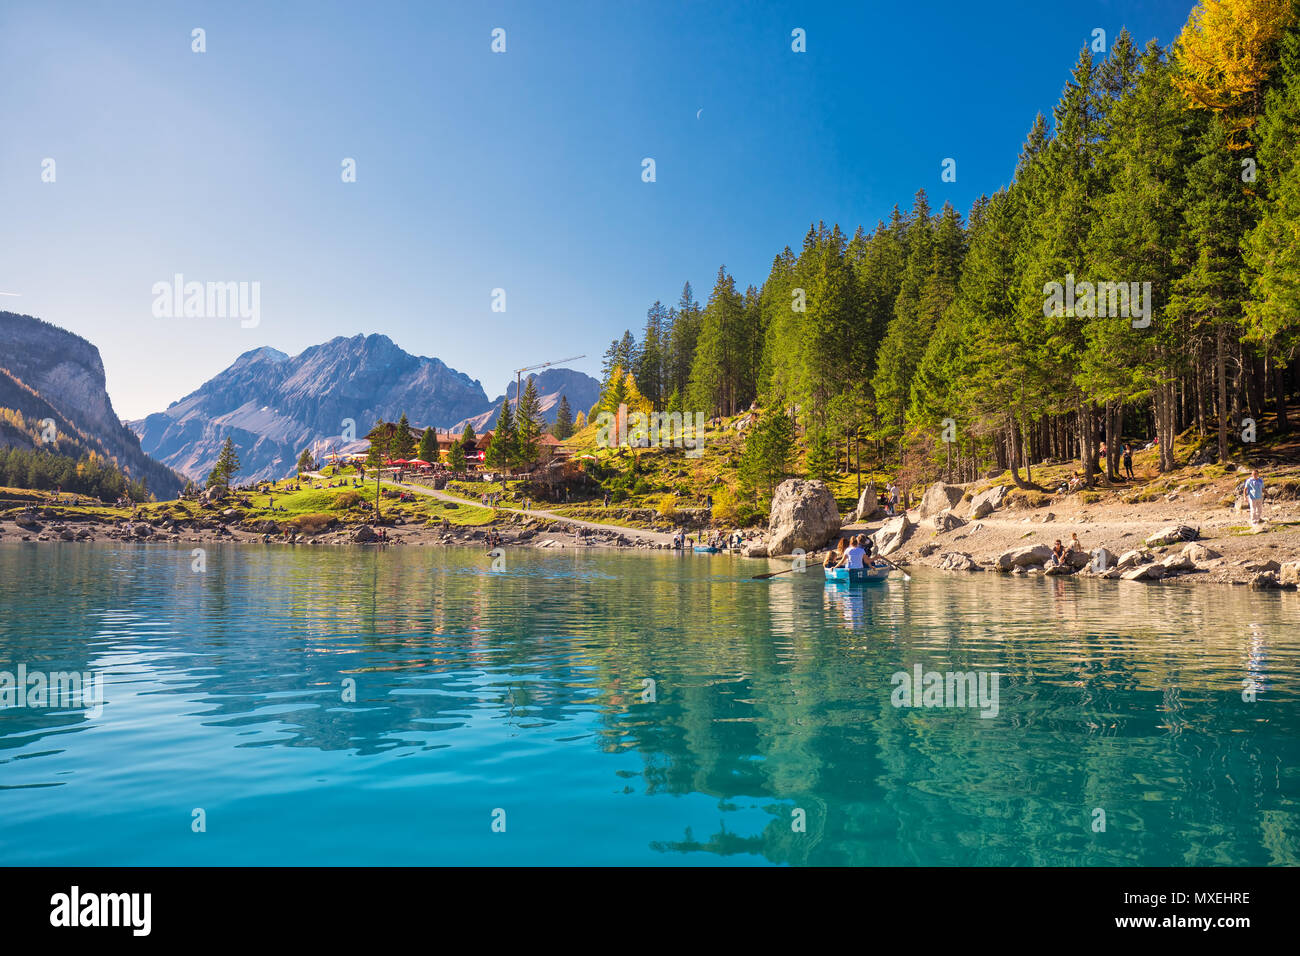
1110 712
773 695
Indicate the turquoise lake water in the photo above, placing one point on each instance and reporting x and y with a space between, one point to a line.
519 697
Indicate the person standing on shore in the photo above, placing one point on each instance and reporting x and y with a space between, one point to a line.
1255 496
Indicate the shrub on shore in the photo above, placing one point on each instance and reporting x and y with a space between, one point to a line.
311 523
348 499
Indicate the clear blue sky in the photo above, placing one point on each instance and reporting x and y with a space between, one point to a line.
478 170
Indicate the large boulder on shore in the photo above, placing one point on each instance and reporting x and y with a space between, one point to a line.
946 521
803 515
868 503
1200 554
1099 561
1024 557
1178 562
1269 581
1147 572
1077 560
957 561
986 502
1172 534
939 497
891 535
1131 559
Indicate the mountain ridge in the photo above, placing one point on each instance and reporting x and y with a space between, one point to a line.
274 405
51 373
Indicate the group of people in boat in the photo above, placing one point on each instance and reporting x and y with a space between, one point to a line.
852 553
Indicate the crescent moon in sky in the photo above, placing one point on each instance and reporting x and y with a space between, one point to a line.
698 112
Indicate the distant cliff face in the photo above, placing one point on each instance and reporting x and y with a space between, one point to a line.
274 405
580 389
47 372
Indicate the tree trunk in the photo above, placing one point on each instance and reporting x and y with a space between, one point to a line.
857 455
1111 439
1088 442
1221 372
1013 453
1283 422
1166 423
1029 466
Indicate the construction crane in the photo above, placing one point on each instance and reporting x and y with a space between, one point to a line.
520 371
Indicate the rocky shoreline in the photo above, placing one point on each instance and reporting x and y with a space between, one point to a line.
1192 537
57 525
1188 538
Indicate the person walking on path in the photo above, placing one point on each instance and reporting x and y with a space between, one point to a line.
1255 496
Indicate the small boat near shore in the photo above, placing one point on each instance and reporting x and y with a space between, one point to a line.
707 549
873 572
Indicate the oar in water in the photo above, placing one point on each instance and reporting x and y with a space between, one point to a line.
906 576
772 574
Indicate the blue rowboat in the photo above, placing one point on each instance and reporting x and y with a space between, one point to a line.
706 549
875 572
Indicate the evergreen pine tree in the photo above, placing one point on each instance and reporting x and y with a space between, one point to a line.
563 420
720 350
905 339
1272 249
380 437
1207 297
226 466
651 363
682 341
769 448
501 451
428 450
403 441
528 424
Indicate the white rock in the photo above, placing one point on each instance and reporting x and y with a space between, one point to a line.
946 521
939 497
892 535
868 503
1172 535
986 502
803 515
1147 572
1131 559
1023 557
